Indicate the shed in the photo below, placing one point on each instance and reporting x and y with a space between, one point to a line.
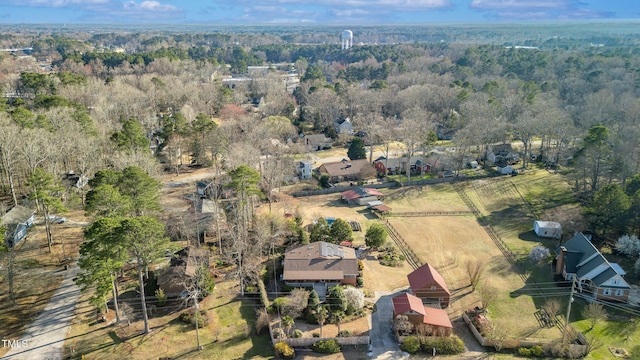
505 170
549 229
361 195
382 209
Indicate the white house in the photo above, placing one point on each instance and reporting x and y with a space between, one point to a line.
550 229
303 170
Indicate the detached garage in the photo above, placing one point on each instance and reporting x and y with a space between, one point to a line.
549 229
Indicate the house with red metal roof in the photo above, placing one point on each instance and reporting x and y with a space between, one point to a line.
412 307
426 283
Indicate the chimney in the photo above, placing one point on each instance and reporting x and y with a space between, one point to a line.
560 260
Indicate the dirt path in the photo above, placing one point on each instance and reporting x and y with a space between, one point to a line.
44 339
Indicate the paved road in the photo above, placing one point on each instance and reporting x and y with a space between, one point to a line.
45 337
383 341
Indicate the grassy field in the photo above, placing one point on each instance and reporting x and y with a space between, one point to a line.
228 335
448 243
509 205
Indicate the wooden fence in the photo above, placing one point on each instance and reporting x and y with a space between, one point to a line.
581 348
409 255
307 342
337 189
429 213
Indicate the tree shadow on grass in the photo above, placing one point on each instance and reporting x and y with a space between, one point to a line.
261 344
368 214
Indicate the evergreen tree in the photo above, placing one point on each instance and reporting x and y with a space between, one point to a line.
356 149
320 231
340 230
337 300
47 193
376 235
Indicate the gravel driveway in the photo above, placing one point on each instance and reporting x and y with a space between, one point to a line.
45 336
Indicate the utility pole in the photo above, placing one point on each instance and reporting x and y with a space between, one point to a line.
196 307
566 322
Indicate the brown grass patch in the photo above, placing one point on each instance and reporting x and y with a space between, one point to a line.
229 334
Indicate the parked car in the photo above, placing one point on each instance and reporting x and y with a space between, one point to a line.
55 219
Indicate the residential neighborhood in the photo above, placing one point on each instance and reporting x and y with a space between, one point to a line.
202 191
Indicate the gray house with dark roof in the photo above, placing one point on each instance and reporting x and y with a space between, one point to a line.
578 258
316 142
18 221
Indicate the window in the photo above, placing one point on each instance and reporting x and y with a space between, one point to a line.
433 287
619 292
606 292
615 280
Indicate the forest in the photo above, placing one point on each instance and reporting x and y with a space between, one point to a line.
84 102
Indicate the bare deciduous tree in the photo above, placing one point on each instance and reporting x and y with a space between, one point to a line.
595 313
488 294
474 268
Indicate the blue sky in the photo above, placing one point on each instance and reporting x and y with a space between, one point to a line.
338 12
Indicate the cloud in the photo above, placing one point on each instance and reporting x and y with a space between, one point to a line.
537 10
330 11
55 3
397 4
519 4
149 9
109 10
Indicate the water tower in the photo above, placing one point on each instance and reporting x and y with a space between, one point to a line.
347 39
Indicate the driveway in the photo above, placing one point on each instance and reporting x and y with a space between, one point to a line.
45 337
383 341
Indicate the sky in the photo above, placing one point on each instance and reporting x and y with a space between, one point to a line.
329 12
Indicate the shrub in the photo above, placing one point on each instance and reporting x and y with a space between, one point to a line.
524 351
188 317
539 253
162 298
297 333
262 320
326 346
311 318
324 181
411 344
537 351
360 265
278 333
449 345
355 299
345 333
263 294
360 281
284 351
315 335
628 245
278 304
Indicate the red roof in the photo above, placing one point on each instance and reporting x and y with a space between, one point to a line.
360 192
437 317
382 208
426 275
406 303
